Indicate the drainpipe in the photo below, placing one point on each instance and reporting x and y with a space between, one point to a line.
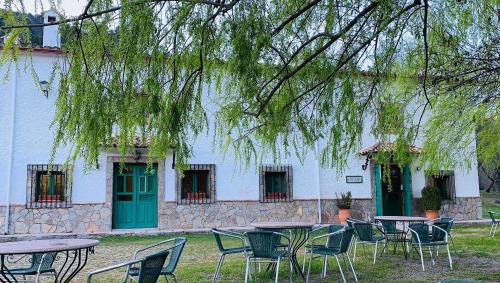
316 148
11 150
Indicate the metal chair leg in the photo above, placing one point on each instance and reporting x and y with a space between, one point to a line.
277 270
309 267
352 268
449 256
421 257
304 262
432 258
325 265
218 268
340 268
247 270
355 246
375 253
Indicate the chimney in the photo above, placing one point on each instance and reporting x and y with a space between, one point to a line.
51 36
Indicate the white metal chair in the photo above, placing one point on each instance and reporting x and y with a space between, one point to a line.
366 235
265 248
420 237
337 244
223 250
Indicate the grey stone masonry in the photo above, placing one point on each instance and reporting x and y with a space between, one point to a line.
80 218
468 208
463 208
94 218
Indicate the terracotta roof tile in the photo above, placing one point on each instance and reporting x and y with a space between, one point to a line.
386 146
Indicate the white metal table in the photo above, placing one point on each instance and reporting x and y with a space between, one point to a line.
405 221
74 251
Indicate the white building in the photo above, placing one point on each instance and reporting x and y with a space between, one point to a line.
212 194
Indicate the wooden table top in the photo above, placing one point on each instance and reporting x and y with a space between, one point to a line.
40 246
401 218
282 225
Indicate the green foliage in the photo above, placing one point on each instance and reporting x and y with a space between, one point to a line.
279 77
431 200
345 200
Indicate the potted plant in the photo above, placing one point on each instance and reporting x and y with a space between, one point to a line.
344 205
431 202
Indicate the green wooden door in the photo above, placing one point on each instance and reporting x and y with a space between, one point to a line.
407 190
134 197
378 189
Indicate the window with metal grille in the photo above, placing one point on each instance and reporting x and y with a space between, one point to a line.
197 186
48 186
444 181
275 183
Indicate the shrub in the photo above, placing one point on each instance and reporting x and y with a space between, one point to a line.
431 200
345 200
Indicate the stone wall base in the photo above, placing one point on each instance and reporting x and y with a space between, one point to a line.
91 218
80 218
468 208
242 213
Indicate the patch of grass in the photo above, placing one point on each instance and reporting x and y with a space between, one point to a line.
478 259
489 203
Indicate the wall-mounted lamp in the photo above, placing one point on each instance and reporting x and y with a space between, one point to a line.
137 155
173 156
44 86
368 158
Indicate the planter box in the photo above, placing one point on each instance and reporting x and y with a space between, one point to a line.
196 196
49 198
275 195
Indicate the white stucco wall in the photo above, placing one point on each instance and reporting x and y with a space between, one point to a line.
33 140
6 86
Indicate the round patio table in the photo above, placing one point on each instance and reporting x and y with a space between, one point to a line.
75 252
405 220
299 237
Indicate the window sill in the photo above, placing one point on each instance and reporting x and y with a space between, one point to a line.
48 205
195 201
275 200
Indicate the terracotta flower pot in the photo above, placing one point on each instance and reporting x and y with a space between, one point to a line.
432 214
344 214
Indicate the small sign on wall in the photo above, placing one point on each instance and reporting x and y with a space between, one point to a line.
354 179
